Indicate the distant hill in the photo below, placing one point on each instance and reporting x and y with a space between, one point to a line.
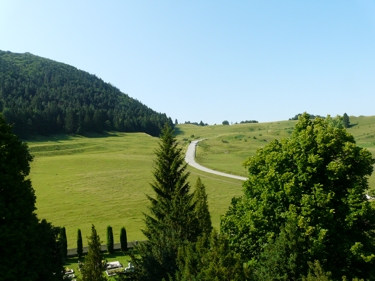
42 96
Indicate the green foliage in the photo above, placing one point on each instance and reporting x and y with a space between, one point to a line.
79 244
311 116
249 121
346 120
316 273
24 241
41 96
172 220
123 240
109 239
225 122
201 208
93 269
317 178
64 241
280 259
210 258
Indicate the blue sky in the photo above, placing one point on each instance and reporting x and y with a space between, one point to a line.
211 60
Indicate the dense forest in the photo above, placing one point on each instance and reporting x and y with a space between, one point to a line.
41 96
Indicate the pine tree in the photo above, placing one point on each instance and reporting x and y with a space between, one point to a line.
109 239
93 269
201 208
172 220
79 244
123 240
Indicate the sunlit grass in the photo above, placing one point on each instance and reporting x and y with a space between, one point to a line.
80 181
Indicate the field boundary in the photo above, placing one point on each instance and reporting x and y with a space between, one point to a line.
116 246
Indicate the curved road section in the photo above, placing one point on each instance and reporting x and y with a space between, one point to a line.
190 159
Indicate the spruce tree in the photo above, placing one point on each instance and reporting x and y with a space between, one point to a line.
123 240
93 269
109 239
201 208
79 244
172 220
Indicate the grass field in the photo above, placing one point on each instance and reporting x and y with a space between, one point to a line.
103 180
81 181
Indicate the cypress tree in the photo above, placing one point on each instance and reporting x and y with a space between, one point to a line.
123 240
201 208
109 239
93 269
172 220
79 244
64 242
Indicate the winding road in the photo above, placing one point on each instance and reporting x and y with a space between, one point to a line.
190 159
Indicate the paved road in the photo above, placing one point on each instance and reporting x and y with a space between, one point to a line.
190 159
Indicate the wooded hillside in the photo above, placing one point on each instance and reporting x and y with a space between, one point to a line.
41 96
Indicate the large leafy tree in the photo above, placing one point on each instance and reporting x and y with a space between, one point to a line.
317 178
172 217
25 243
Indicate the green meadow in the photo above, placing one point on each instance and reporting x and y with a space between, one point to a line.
103 180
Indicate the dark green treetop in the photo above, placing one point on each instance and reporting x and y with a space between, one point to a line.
210 258
93 269
123 239
24 241
79 244
109 239
318 178
172 217
42 96
346 120
201 208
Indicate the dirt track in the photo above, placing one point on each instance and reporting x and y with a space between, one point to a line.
190 159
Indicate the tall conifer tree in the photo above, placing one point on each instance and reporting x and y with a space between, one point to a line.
109 239
172 220
79 244
201 208
64 242
93 270
123 240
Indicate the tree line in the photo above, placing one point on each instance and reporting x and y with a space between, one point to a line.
41 96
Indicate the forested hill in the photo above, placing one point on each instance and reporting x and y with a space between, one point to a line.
41 96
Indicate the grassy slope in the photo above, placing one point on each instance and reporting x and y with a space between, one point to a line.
103 181
81 181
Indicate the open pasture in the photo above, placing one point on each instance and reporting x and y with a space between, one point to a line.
226 147
104 180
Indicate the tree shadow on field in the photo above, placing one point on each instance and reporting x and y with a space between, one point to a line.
178 131
352 125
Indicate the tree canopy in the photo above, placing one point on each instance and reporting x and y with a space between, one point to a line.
172 218
24 241
41 96
313 183
93 269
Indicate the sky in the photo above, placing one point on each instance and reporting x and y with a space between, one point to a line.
208 60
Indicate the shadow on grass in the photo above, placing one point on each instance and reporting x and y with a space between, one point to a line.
178 131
